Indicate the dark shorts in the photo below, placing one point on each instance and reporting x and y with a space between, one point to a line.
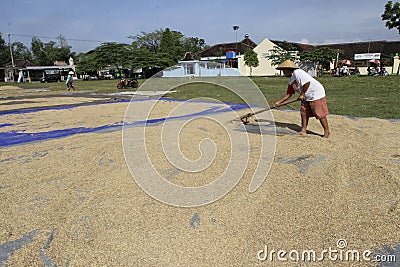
317 108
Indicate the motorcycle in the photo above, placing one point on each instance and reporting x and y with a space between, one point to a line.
123 83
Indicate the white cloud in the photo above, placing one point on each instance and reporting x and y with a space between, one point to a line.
304 41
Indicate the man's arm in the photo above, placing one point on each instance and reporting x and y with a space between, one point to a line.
283 99
303 92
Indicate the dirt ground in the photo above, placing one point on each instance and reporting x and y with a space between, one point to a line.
68 198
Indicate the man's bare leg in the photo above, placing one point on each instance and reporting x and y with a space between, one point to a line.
324 123
304 124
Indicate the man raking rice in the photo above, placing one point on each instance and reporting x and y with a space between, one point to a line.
312 96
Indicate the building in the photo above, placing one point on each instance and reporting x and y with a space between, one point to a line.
12 69
218 60
31 72
219 51
210 67
228 59
36 73
265 67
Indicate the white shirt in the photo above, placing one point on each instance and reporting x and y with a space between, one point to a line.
299 78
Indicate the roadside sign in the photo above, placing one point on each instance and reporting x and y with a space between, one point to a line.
367 56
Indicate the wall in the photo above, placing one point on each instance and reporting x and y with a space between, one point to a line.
264 68
396 64
200 69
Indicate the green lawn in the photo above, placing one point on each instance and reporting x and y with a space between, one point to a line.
353 96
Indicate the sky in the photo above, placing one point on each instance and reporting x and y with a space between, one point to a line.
88 23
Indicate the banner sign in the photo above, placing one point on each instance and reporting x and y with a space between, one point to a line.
367 56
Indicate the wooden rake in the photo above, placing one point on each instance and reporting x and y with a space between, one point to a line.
245 118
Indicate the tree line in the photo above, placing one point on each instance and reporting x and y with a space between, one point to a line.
159 48
39 53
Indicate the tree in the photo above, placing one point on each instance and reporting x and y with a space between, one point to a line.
46 53
122 55
37 48
150 40
63 51
20 51
323 55
392 15
250 59
4 52
105 55
278 54
154 50
168 42
87 63
143 58
194 45
171 44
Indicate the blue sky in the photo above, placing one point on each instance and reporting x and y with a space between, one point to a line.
83 23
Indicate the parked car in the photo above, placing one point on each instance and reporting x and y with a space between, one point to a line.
51 76
88 77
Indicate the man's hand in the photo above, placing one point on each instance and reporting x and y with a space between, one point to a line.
301 97
277 104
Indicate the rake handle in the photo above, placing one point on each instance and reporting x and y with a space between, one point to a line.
248 115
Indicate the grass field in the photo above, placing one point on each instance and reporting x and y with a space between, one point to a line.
353 96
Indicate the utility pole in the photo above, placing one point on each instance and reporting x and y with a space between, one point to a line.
12 57
236 28
11 53
369 46
61 40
